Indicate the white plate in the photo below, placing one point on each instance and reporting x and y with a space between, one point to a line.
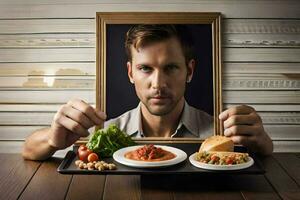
119 156
219 167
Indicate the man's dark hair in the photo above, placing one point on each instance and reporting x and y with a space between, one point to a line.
141 35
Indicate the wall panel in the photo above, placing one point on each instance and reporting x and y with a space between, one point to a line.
87 9
48 69
47 56
43 96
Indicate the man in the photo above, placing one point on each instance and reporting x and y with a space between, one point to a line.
160 64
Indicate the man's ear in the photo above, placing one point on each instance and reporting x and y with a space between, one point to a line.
190 70
129 72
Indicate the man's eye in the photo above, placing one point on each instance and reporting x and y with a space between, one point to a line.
145 68
171 67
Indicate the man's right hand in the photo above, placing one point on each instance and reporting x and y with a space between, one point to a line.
72 121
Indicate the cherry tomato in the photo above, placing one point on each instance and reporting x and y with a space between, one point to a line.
229 161
82 147
215 158
83 152
93 157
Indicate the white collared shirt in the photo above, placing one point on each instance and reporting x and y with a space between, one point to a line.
193 123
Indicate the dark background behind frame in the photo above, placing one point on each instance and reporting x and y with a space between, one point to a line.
120 93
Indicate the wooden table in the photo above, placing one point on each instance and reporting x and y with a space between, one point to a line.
21 179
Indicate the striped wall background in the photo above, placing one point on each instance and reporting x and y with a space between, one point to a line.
47 56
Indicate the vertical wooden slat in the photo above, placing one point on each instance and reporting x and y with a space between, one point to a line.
255 187
291 163
86 187
47 181
286 187
15 174
152 187
122 187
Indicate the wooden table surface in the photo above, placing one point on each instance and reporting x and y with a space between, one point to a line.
20 179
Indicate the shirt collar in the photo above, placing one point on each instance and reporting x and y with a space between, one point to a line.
187 120
136 128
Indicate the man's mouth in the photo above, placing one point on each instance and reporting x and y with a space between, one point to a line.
160 100
160 97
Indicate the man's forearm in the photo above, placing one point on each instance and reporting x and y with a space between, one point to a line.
36 146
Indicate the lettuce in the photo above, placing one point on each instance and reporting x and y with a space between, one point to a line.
105 142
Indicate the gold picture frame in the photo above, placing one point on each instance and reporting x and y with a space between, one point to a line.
106 19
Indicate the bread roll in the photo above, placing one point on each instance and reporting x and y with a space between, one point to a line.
217 143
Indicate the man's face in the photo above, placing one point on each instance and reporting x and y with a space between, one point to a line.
159 73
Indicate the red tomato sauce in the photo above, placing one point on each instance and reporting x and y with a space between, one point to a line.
150 153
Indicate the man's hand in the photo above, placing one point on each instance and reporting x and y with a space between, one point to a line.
72 121
244 126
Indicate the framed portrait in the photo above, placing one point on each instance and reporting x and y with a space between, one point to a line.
115 94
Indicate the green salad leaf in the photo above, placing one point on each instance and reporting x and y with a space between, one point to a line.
105 142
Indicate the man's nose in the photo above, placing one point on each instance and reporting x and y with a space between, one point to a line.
159 80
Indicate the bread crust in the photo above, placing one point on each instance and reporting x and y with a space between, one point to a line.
217 143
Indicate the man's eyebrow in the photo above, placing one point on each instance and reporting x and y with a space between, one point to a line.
172 64
143 64
164 65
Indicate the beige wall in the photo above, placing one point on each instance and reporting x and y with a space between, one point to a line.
47 56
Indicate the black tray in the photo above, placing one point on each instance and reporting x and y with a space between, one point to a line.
68 165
